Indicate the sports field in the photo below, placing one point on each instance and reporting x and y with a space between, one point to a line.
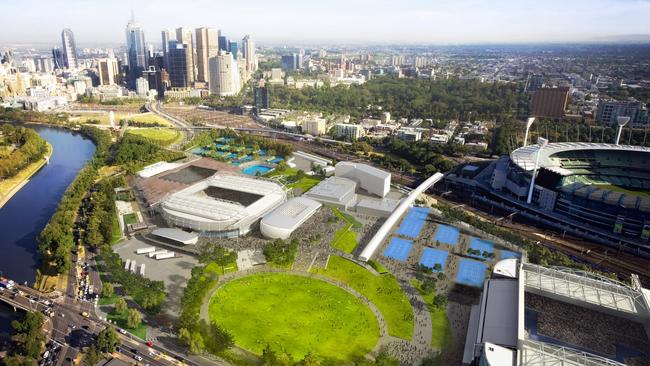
297 314
163 136
148 118
382 290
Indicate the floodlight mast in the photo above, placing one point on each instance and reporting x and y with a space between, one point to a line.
622 121
529 123
542 142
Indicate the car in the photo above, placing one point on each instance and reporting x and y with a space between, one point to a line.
137 357
149 343
121 330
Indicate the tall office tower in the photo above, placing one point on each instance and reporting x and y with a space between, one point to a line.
262 97
109 71
224 75
207 46
223 43
248 49
69 49
167 35
180 59
57 58
290 62
186 36
43 64
233 48
135 51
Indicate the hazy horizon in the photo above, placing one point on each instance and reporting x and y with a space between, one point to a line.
374 22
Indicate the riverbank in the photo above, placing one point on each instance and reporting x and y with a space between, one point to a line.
9 187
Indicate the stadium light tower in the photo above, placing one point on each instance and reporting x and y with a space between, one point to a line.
542 142
622 121
529 123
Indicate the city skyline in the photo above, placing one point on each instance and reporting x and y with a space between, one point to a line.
376 22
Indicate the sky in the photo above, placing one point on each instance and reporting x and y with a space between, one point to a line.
331 21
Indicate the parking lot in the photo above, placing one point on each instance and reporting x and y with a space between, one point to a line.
174 272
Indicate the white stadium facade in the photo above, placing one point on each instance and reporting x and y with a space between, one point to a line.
600 192
224 205
530 315
284 220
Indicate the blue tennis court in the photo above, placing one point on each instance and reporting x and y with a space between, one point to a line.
431 257
447 234
471 273
482 246
398 249
506 254
413 222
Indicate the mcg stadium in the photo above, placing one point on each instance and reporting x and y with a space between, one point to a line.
533 315
600 192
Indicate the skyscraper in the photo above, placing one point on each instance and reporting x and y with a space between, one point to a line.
69 49
207 46
224 75
248 49
57 58
223 43
233 48
186 36
135 51
109 71
167 35
179 61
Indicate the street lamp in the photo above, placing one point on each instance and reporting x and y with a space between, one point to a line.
542 142
622 121
529 123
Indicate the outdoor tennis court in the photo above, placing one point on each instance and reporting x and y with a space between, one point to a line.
482 246
506 254
398 248
447 234
413 222
471 273
431 257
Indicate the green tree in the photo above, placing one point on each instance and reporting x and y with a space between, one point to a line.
92 356
120 305
107 289
310 360
133 318
107 340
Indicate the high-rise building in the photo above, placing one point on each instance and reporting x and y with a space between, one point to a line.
135 51
180 75
43 64
207 46
609 111
157 79
290 62
233 47
534 82
57 58
167 35
223 43
315 127
262 97
186 36
224 75
109 71
349 131
248 50
141 87
69 49
549 102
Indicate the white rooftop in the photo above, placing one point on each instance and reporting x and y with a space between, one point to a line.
177 235
292 213
157 168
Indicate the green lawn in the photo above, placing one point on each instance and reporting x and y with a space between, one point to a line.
378 266
297 314
382 290
305 183
163 136
130 218
103 118
120 320
215 268
441 330
117 231
345 239
107 300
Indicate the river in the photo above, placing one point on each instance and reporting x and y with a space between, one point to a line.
27 212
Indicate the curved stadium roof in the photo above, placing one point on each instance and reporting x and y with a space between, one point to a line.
524 157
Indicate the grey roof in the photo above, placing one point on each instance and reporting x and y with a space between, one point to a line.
175 234
292 213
